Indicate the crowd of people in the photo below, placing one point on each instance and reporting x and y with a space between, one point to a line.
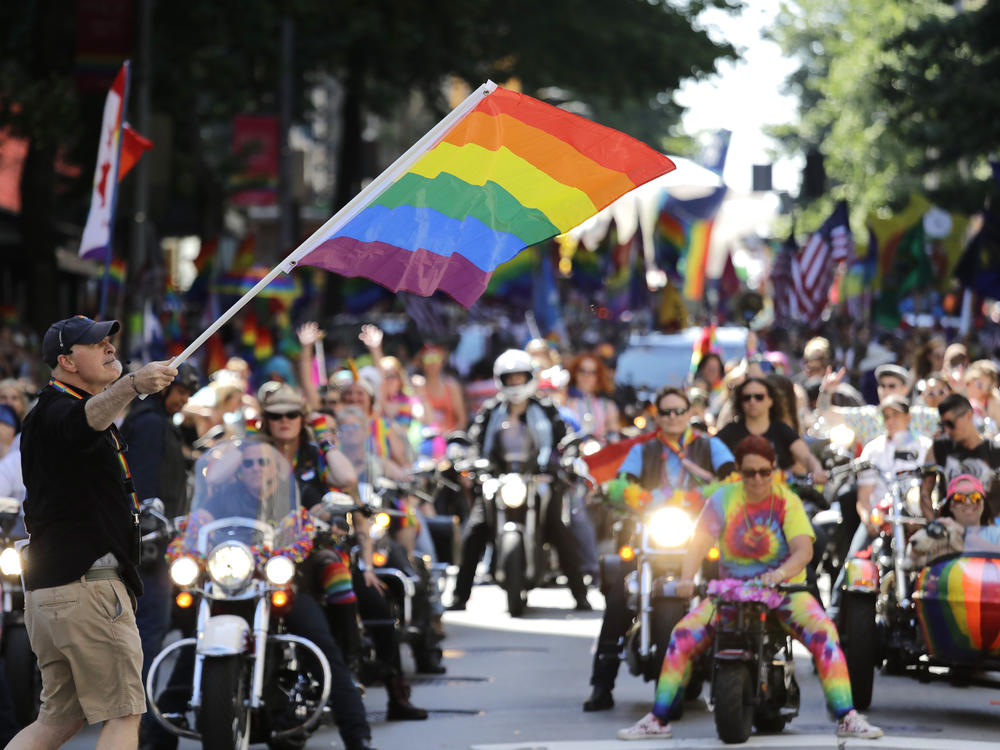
910 401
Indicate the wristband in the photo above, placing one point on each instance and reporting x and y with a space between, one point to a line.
131 378
323 434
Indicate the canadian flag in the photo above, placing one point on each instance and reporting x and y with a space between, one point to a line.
96 239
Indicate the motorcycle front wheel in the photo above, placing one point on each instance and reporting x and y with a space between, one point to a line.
514 583
224 717
733 692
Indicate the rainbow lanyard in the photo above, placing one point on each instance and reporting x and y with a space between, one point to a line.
679 450
120 451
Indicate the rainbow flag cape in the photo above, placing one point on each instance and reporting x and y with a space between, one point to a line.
502 172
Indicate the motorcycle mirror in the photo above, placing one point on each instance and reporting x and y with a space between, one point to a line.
458 436
481 464
384 483
10 505
152 503
337 501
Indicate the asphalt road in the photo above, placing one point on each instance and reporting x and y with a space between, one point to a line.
519 685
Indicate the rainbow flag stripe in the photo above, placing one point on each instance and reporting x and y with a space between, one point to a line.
512 173
697 259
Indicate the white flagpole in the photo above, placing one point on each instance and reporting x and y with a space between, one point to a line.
346 213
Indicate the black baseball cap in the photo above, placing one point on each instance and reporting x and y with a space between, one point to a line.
79 329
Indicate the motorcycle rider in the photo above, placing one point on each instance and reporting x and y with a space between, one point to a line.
246 476
764 534
962 451
159 469
677 459
901 448
517 423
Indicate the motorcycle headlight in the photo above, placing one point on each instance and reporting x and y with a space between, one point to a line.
10 562
513 491
670 527
842 435
490 487
279 570
230 565
184 571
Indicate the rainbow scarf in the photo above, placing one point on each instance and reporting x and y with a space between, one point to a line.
120 448
511 173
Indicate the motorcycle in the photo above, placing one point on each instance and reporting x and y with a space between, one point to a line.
521 559
878 617
832 511
753 673
20 665
235 562
650 560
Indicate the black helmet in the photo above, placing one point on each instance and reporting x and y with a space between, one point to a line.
187 377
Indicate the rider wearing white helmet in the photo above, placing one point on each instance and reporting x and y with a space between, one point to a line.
520 432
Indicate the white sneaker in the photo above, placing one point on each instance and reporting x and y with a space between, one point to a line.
856 725
647 728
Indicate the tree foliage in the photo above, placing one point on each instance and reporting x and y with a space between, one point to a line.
890 92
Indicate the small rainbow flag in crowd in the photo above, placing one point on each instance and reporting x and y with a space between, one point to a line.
116 275
238 283
511 172
684 230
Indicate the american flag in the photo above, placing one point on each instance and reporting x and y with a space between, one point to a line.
781 278
814 266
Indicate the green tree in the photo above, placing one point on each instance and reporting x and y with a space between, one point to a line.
894 95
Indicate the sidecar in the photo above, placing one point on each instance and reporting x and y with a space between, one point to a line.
957 601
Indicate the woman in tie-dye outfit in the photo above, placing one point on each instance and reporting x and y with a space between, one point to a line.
763 533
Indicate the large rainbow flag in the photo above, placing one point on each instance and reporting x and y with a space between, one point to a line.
505 172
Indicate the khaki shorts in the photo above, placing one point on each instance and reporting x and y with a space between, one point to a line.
85 637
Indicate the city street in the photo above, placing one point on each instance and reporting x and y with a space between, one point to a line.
519 685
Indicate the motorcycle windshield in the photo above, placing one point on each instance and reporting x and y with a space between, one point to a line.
246 490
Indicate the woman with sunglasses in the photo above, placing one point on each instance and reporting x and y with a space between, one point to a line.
590 388
934 389
964 516
763 534
757 412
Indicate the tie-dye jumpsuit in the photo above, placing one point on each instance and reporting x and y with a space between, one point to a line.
752 540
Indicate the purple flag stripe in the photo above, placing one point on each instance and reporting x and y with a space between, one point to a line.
420 272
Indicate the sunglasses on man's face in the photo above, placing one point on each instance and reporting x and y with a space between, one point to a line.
249 463
671 412
288 415
748 397
949 424
966 497
751 473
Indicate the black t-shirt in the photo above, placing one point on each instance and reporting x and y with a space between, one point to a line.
779 435
981 462
77 507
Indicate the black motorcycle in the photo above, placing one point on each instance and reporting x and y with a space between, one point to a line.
753 675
